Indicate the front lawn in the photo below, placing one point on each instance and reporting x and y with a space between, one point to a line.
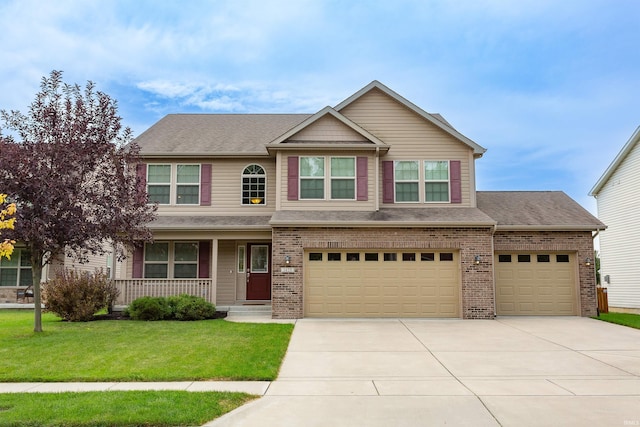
126 350
116 408
626 319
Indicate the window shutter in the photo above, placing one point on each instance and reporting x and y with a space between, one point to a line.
362 173
456 185
141 171
138 264
204 256
387 181
292 178
205 184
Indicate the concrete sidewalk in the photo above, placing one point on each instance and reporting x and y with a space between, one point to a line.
251 387
399 372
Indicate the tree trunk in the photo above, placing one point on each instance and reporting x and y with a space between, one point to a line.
36 267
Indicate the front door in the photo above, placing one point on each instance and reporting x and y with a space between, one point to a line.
259 271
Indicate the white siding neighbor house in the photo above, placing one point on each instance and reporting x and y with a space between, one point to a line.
617 193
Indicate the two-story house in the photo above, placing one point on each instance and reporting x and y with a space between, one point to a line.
366 209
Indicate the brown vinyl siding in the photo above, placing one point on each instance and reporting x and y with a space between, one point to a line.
226 283
328 128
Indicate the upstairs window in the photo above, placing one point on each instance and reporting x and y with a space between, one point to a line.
343 178
254 185
436 181
312 177
188 185
406 181
159 184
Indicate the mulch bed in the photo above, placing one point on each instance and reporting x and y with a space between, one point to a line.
120 315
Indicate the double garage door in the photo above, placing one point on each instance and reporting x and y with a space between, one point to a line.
536 284
382 283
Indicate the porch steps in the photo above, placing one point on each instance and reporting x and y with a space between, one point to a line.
247 310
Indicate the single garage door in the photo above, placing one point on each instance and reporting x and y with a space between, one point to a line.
536 284
382 283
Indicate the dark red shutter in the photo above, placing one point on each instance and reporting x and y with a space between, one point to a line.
141 171
387 182
204 257
362 174
205 184
292 178
138 262
456 185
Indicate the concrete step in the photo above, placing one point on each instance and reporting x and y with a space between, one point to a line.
247 310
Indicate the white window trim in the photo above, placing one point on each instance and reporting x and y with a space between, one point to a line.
243 175
354 178
447 181
324 178
418 180
173 182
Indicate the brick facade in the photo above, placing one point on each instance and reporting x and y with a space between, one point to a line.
477 284
579 242
477 280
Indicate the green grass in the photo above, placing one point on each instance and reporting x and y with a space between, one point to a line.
116 408
626 319
125 350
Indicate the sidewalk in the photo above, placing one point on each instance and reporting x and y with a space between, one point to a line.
251 387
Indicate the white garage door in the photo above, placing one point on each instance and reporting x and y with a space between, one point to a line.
536 284
382 283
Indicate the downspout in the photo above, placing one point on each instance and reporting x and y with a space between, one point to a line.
377 192
493 266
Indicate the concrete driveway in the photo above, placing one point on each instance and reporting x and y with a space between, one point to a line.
524 371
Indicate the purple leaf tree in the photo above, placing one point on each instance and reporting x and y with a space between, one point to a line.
70 168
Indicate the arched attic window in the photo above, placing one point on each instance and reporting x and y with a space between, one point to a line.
254 185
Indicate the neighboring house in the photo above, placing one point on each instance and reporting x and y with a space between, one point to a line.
617 193
16 275
367 209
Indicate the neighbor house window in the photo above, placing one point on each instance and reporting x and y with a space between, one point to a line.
406 174
436 181
254 185
343 178
185 260
188 184
17 270
156 260
312 177
159 184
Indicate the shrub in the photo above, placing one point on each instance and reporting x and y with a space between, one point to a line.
77 296
183 307
193 308
150 308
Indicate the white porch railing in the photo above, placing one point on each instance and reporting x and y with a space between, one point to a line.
130 289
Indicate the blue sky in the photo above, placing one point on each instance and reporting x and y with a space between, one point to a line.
550 88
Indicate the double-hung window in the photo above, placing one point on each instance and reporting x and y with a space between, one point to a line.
407 178
17 270
343 178
312 177
436 181
188 184
164 190
163 260
159 184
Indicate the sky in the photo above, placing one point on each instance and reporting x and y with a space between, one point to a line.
550 88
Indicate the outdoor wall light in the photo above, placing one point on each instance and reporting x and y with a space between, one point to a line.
477 260
287 259
587 262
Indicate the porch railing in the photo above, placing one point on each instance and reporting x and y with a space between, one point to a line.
130 289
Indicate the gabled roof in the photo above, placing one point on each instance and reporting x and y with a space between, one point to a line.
435 119
536 210
189 135
628 147
281 141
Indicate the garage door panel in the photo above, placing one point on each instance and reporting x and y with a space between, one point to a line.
539 287
409 288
